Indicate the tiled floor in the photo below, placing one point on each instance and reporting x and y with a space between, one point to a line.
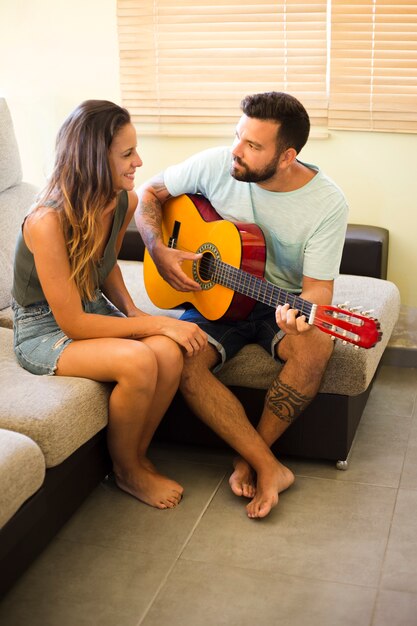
339 550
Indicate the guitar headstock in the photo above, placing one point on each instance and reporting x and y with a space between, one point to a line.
348 325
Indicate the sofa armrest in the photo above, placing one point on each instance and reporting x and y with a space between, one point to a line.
365 252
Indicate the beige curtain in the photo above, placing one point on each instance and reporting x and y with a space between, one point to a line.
185 65
190 62
374 65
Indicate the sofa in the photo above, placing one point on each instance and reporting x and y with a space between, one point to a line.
53 449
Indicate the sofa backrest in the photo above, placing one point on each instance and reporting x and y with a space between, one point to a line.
15 200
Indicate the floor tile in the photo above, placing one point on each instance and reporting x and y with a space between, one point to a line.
400 566
394 391
377 454
395 608
84 585
112 518
322 529
201 594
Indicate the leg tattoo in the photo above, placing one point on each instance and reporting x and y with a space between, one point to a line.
285 402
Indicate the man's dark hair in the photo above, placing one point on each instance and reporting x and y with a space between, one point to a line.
285 110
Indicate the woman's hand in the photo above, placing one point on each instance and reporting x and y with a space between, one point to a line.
187 334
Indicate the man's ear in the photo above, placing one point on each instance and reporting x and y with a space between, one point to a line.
287 158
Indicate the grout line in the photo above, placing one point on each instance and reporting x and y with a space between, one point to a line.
379 589
180 551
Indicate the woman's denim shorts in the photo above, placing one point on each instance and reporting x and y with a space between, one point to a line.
38 340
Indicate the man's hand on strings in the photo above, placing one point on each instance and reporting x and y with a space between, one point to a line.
169 262
289 322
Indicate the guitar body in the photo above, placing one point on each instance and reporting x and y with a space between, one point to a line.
202 230
231 274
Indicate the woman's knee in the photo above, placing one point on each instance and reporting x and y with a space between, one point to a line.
167 352
137 363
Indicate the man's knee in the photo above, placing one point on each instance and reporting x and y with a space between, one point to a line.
313 348
197 366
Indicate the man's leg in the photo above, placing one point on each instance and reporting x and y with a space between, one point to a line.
306 357
219 408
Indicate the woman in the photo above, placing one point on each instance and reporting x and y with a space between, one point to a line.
73 313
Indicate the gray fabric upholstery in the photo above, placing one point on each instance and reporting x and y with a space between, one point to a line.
15 199
350 370
14 203
59 413
10 166
22 472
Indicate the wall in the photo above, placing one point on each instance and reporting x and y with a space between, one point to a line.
55 53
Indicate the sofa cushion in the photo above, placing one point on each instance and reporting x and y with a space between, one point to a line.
22 472
350 370
59 413
14 204
10 166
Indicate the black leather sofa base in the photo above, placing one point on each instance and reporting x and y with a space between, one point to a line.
65 488
324 431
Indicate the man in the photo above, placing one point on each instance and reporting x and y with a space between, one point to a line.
303 215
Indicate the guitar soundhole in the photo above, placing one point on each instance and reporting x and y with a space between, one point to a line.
206 267
204 270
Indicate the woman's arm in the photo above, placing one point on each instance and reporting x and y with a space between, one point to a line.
44 237
114 286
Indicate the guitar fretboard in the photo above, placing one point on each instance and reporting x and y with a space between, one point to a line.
257 288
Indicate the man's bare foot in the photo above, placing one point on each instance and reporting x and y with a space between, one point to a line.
242 481
270 483
150 487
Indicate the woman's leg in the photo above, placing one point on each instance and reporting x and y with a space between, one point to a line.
169 361
133 366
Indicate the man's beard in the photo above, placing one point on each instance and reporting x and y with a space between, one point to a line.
254 176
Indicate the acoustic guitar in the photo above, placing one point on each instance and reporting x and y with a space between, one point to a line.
231 273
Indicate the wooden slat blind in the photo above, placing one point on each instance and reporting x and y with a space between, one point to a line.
374 65
190 62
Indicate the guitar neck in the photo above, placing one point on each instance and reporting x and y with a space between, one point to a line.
259 289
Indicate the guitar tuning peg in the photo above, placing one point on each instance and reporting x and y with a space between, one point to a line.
356 347
332 337
354 309
344 305
344 342
368 312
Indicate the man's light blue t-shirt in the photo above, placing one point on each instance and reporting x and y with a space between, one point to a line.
304 229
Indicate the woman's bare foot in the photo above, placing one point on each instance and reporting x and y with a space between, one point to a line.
147 464
150 487
242 481
270 483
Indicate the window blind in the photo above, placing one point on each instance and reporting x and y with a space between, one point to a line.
374 65
189 63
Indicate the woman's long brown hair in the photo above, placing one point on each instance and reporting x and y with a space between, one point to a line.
81 186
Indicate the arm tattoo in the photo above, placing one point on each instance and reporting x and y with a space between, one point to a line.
153 219
149 215
285 402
